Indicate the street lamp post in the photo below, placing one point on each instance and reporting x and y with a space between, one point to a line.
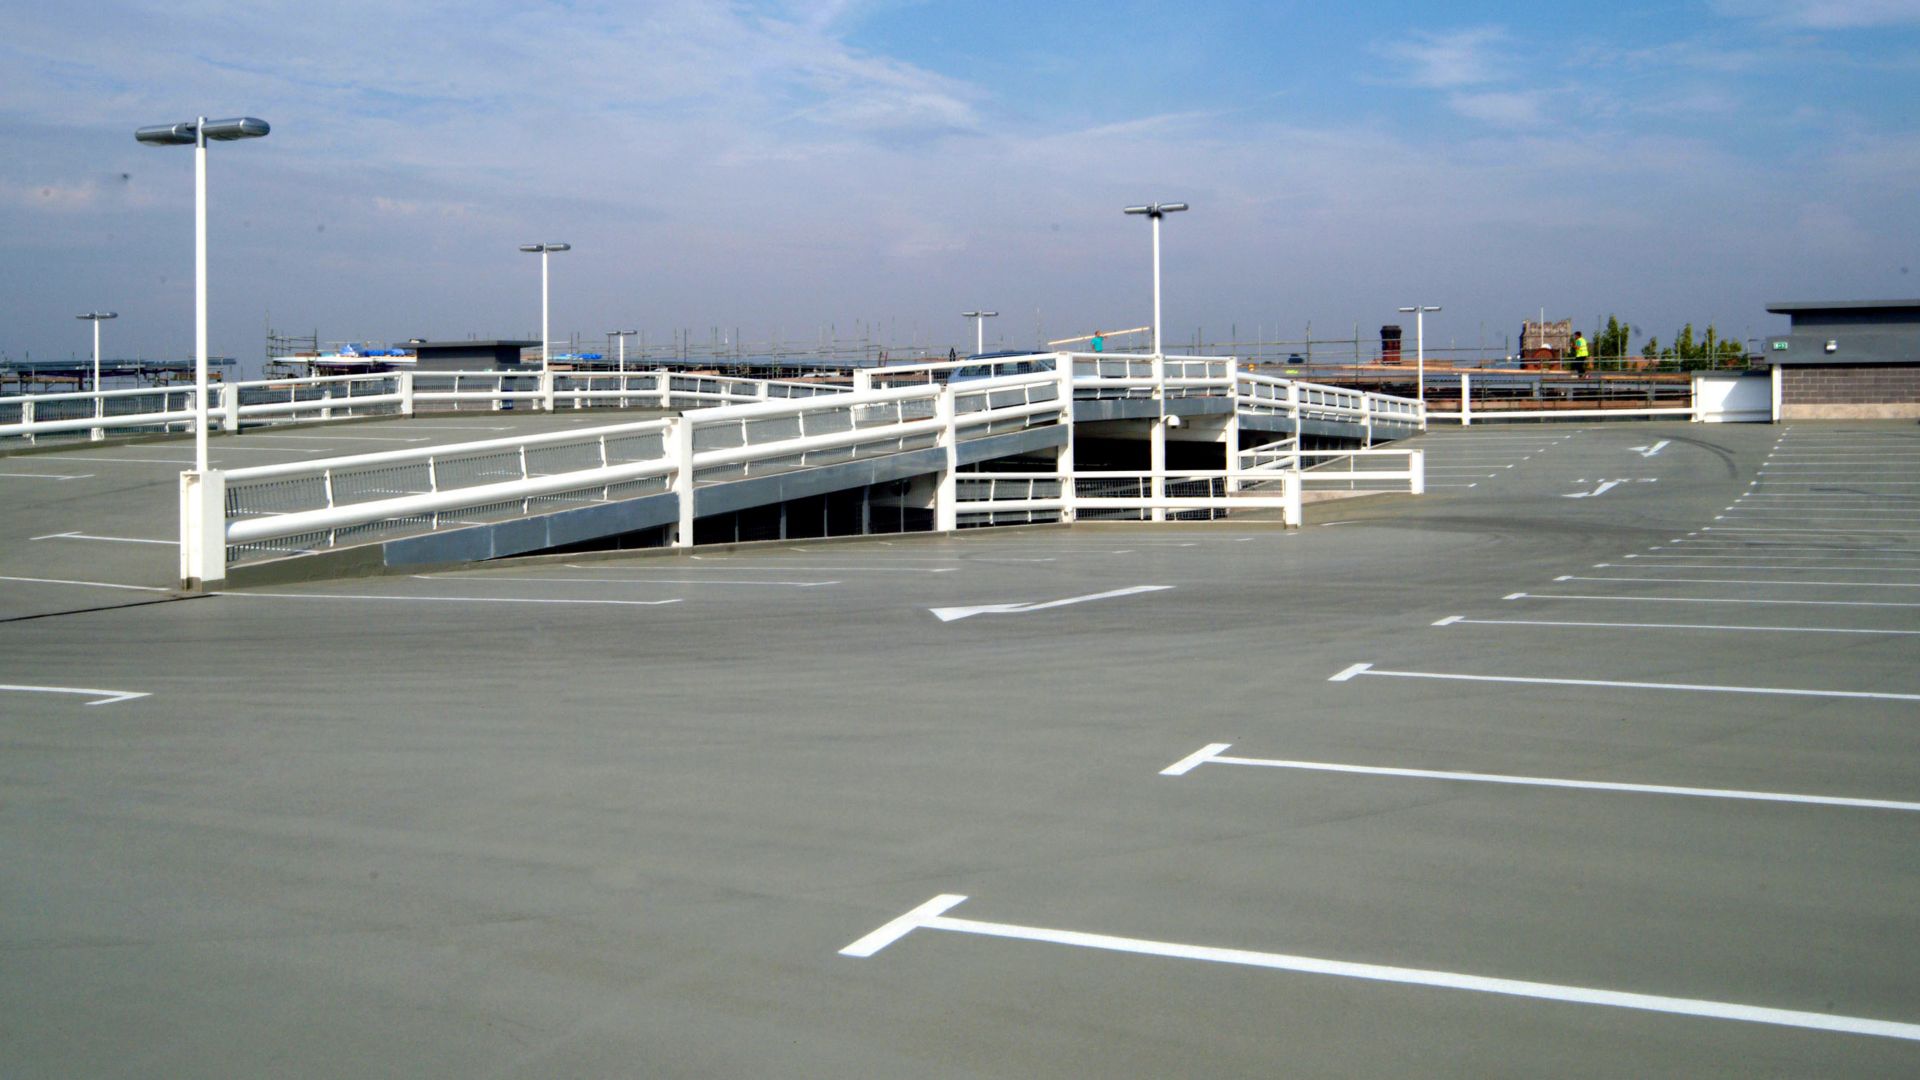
1154 212
99 403
543 250
1157 442
979 328
623 335
1420 347
197 133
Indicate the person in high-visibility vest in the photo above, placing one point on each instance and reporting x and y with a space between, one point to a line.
1580 353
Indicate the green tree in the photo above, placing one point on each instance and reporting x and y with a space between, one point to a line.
1612 342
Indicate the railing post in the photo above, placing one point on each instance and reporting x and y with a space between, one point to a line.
946 494
406 393
680 450
666 388
26 418
1366 417
1417 465
1466 400
99 413
1290 485
229 408
862 380
1063 463
546 390
203 530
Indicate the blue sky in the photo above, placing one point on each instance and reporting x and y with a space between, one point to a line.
779 167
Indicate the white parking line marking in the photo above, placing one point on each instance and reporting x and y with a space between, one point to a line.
950 614
1213 754
442 599
133 460
1734 562
46 476
629 581
107 697
1355 670
340 438
1743 581
113 539
95 584
1650 451
1460 620
1711 600
932 916
1804 532
782 568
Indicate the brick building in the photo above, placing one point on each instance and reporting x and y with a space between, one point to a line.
1846 359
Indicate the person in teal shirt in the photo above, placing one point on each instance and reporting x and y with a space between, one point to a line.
1099 343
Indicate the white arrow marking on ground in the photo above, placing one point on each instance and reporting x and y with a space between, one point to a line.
1649 451
949 614
1605 486
107 697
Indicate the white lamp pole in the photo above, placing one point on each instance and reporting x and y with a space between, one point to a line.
623 335
196 133
543 250
1154 212
99 403
1157 443
979 328
1420 346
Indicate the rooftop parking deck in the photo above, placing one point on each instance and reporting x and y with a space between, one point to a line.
1600 760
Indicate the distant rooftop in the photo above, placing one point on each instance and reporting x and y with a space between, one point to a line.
1789 307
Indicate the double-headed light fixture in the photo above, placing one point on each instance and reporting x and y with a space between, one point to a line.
979 328
1419 313
543 250
1154 212
197 133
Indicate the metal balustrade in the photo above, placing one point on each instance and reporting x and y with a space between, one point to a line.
245 514
1005 497
735 429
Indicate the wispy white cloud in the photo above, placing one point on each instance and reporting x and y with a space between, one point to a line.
1450 59
1825 14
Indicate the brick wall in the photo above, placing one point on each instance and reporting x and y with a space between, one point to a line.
1850 390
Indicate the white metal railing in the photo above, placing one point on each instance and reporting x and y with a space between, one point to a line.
1297 400
997 497
1280 455
1341 470
306 506
232 405
27 416
1467 414
1106 375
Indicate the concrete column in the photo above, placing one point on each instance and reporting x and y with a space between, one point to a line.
1063 463
946 495
1157 462
680 448
203 530
1466 400
1776 378
1417 465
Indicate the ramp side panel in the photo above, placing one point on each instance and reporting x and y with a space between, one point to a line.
522 535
